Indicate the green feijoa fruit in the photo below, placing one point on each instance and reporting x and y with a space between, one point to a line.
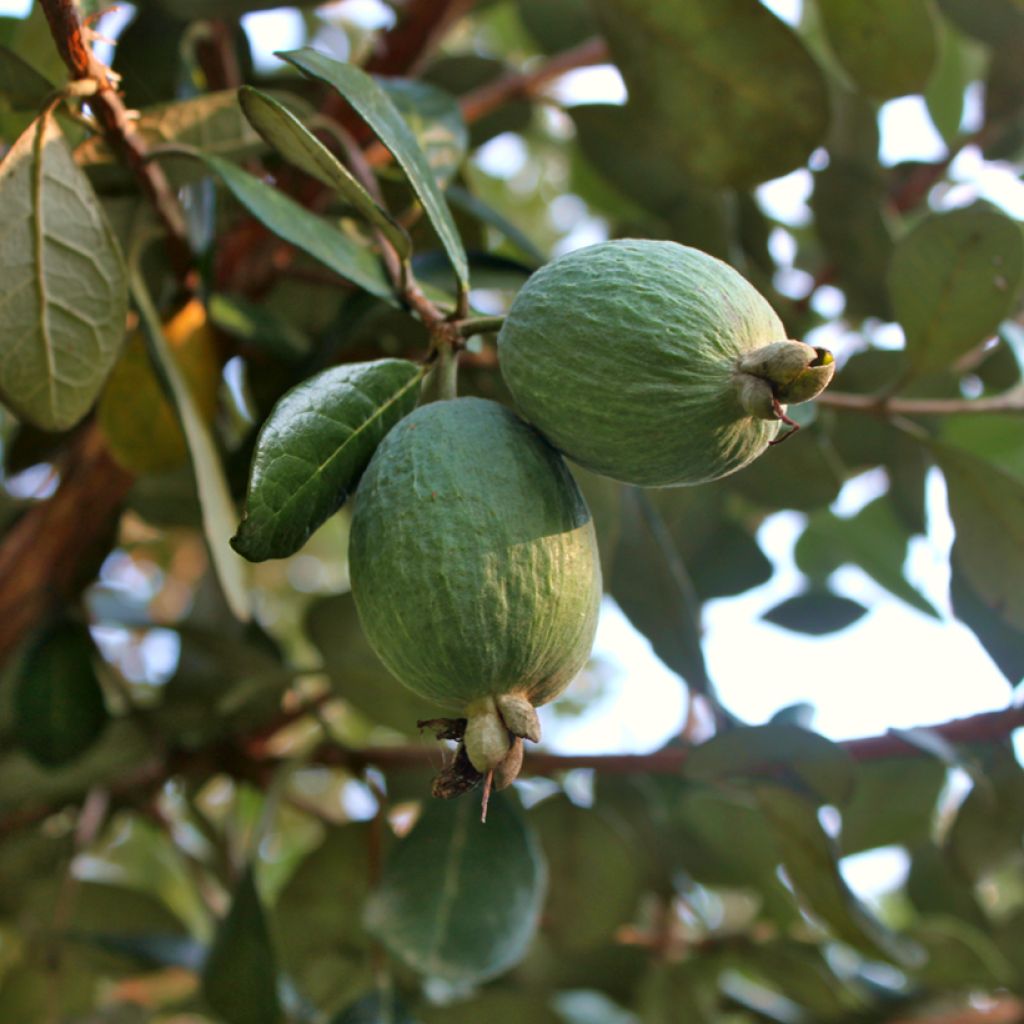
474 568
653 363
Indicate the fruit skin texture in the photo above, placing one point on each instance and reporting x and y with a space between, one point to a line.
627 356
474 565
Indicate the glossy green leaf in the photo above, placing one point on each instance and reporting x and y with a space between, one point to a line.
355 671
793 756
738 97
376 108
888 49
59 710
297 144
648 579
810 858
218 507
313 448
435 119
816 613
21 85
62 318
239 979
460 899
343 254
987 506
952 279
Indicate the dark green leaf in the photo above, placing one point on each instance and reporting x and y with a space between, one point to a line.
240 974
21 85
993 21
888 49
557 26
258 326
460 199
65 299
960 956
649 581
1004 119
376 108
297 144
376 1008
461 899
730 562
59 710
738 97
1003 644
791 755
495 1006
938 886
352 259
148 950
816 613
357 674
987 506
313 448
952 280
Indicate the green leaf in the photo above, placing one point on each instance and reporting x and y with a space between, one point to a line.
952 279
816 612
313 448
495 1006
376 1008
797 757
888 49
465 201
59 710
352 259
810 859
435 119
215 500
297 144
944 93
987 506
732 88
960 956
376 108
239 979
649 581
258 326
460 899
355 671
993 21
936 885
1003 644
995 439
62 316
21 85
557 26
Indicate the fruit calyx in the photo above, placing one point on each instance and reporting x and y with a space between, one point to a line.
780 374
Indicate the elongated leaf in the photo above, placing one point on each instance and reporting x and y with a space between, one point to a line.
987 506
297 144
65 297
58 705
214 495
732 88
816 613
21 85
240 974
353 260
1003 644
313 448
374 106
952 280
810 859
888 49
460 899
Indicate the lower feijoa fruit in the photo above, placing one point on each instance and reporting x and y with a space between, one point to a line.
474 568
653 363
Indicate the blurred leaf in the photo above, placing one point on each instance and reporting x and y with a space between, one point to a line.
21 85
649 581
604 499
888 49
240 974
959 956
893 803
810 859
459 198
59 711
815 612
952 279
298 145
995 439
1004 118
944 93
356 673
258 326
673 992
495 1006
792 756
376 1008
434 117
1003 644
377 109
346 256
460 899
987 506
586 854
736 107
992 21
730 562
148 950
313 448
56 346
557 26
937 886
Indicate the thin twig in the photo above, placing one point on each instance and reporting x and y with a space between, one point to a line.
1009 401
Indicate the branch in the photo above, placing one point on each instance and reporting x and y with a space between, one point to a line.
1009 401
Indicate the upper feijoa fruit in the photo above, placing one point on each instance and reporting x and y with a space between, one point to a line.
653 362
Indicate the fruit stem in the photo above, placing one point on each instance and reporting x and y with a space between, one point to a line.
440 383
480 325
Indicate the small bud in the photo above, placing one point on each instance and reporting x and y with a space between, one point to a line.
784 372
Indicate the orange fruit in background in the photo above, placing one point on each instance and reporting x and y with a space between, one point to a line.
139 421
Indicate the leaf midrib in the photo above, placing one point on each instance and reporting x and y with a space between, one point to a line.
39 229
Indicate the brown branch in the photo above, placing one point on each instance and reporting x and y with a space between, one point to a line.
1009 401
71 40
